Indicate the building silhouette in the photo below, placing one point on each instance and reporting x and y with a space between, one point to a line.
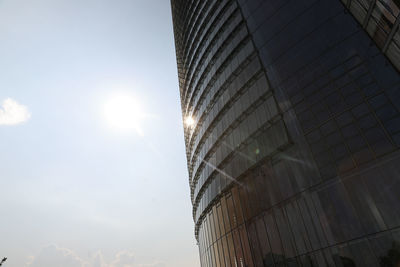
292 132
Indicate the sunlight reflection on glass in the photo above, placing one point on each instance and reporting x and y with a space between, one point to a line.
190 121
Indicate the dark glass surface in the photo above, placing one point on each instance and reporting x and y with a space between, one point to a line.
294 156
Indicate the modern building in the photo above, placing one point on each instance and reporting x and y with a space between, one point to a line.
292 132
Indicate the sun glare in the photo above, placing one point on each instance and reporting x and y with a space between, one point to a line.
189 121
124 113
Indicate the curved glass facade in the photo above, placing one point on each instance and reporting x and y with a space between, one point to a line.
293 155
380 18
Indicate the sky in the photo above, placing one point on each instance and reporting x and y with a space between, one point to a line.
84 179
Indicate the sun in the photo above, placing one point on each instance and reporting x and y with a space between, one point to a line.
123 113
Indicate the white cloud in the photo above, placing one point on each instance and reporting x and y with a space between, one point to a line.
123 259
52 255
12 113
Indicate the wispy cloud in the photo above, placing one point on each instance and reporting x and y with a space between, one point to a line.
12 113
54 255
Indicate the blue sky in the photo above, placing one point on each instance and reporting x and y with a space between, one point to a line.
75 191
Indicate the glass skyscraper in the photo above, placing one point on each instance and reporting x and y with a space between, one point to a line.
292 133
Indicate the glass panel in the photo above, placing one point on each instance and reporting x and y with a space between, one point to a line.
217 256
285 233
385 197
221 253
206 259
359 11
216 223
212 256
231 247
220 220
254 202
393 53
238 248
298 229
255 248
261 188
386 247
226 252
231 211
224 210
274 238
208 232
244 201
238 207
309 261
211 226
375 29
342 256
264 242
363 255
320 259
